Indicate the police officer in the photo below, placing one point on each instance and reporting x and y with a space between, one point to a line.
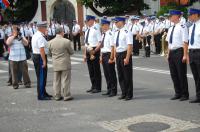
39 46
51 31
66 30
177 38
76 35
123 41
194 50
134 29
92 54
107 59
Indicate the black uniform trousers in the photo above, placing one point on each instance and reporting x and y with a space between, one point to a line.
194 55
94 71
1 47
157 39
67 36
110 73
41 74
76 39
136 48
147 43
178 71
125 75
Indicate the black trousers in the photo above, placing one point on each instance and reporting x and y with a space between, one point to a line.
178 71
194 56
147 43
94 71
1 47
125 75
41 74
67 36
76 39
157 39
110 73
136 47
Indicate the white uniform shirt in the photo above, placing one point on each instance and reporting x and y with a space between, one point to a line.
94 36
38 41
76 28
196 44
2 34
31 31
24 31
183 21
8 31
65 29
180 36
134 29
51 31
108 41
125 39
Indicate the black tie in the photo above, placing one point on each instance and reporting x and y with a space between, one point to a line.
24 32
86 39
192 35
33 31
63 29
117 40
104 35
171 36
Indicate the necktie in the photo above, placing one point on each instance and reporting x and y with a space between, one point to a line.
87 35
117 40
192 35
153 27
171 35
74 29
24 32
51 32
142 30
104 35
33 31
131 28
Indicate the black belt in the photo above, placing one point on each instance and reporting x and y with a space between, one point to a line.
176 50
121 53
194 50
106 53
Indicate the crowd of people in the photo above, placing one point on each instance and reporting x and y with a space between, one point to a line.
110 42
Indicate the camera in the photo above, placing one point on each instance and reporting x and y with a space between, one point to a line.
19 34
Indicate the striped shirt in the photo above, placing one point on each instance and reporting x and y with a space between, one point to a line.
17 51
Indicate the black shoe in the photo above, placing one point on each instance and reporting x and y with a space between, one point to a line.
128 98
112 95
195 101
184 98
175 97
96 91
122 97
44 98
20 83
9 84
108 93
15 87
89 91
48 95
28 86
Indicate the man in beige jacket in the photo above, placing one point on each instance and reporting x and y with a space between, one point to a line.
60 50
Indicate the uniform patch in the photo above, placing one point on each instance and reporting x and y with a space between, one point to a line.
110 33
126 31
183 26
95 28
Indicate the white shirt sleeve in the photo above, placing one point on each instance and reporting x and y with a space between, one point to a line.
42 42
129 38
185 34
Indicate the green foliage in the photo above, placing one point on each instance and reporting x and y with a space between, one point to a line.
165 9
22 10
115 7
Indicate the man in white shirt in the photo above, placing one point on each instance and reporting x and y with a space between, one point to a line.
66 30
76 35
2 39
194 50
123 42
134 29
177 38
107 59
92 54
40 51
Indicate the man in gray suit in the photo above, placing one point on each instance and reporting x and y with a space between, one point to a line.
60 50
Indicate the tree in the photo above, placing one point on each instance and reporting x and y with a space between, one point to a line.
115 7
21 10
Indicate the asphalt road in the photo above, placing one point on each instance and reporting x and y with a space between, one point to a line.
149 111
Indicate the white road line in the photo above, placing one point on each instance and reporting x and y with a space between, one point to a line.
157 71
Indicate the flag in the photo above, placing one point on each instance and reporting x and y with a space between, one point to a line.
6 3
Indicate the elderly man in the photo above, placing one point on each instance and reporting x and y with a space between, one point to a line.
40 50
60 50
